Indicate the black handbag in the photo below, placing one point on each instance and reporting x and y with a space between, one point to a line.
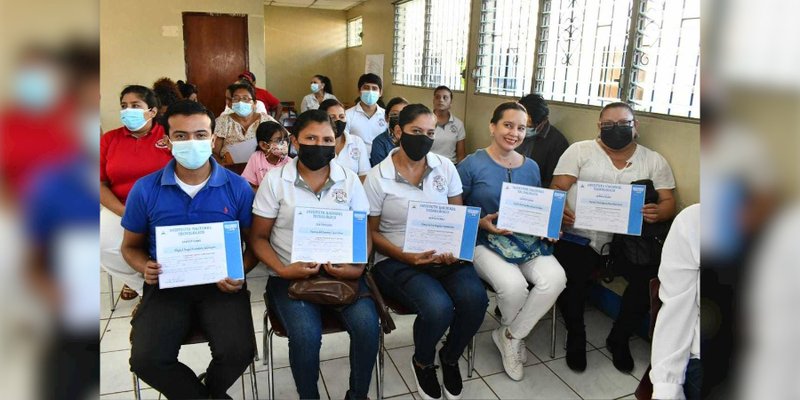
644 250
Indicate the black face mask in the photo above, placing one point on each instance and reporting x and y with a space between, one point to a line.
315 156
415 146
617 137
340 125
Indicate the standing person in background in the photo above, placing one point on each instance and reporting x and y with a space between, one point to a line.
188 90
137 148
383 144
543 142
272 103
366 118
321 90
450 136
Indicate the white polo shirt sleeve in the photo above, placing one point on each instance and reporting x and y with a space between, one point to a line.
454 187
267 203
662 173
461 132
363 156
374 192
358 197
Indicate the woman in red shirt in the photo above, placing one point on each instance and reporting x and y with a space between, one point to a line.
127 153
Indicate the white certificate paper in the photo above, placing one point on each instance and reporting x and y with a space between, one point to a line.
335 236
198 254
241 152
609 207
445 228
531 210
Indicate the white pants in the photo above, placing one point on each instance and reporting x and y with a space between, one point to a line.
111 260
521 309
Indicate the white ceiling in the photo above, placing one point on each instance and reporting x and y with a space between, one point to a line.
320 4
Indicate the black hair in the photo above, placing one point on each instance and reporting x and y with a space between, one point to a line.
144 93
308 117
395 101
186 89
536 106
443 88
370 78
327 82
232 88
267 129
167 91
411 112
187 107
502 108
325 105
618 104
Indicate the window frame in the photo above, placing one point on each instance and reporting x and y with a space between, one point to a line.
360 34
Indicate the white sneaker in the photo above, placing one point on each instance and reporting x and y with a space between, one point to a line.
509 352
523 352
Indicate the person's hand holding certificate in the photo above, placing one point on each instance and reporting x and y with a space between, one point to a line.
329 236
437 229
199 254
609 207
531 210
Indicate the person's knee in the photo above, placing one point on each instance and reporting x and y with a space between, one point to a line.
437 309
239 351
553 279
511 289
144 362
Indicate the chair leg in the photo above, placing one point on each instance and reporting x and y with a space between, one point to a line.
244 393
111 292
253 381
471 357
137 388
553 335
379 370
270 377
264 340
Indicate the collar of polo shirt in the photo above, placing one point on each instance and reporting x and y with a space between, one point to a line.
217 178
289 174
388 171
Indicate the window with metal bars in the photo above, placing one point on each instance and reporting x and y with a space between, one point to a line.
506 46
430 43
354 30
585 55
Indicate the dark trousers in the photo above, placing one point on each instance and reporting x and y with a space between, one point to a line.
164 320
635 299
578 262
694 380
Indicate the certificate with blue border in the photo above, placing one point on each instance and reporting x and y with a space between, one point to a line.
531 210
445 228
609 207
326 235
199 254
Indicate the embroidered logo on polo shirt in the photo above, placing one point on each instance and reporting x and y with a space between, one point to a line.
339 196
382 123
355 153
161 143
453 128
439 183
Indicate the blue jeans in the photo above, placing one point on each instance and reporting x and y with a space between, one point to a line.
442 297
303 323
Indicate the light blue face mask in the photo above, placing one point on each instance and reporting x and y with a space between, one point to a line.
35 88
369 97
191 154
314 87
133 118
242 109
531 132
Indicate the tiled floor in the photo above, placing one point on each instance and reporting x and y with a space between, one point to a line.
545 378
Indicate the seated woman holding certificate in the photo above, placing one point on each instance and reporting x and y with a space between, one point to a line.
613 157
313 180
508 261
444 292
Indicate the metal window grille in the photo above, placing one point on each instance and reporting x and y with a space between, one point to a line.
430 43
506 46
354 29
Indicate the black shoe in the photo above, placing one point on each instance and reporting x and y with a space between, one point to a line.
576 351
451 375
428 386
621 354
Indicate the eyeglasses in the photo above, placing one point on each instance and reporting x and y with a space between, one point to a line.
244 99
609 124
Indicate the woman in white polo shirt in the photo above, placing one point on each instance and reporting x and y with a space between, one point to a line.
612 157
351 152
444 292
312 180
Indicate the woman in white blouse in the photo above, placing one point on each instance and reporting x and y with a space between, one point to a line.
321 90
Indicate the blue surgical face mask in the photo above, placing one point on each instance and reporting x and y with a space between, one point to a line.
369 97
133 118
314 87
531 132
35 88
191 154
242 109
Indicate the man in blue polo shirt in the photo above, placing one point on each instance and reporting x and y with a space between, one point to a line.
191 189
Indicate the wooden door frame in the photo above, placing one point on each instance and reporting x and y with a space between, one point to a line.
209 14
